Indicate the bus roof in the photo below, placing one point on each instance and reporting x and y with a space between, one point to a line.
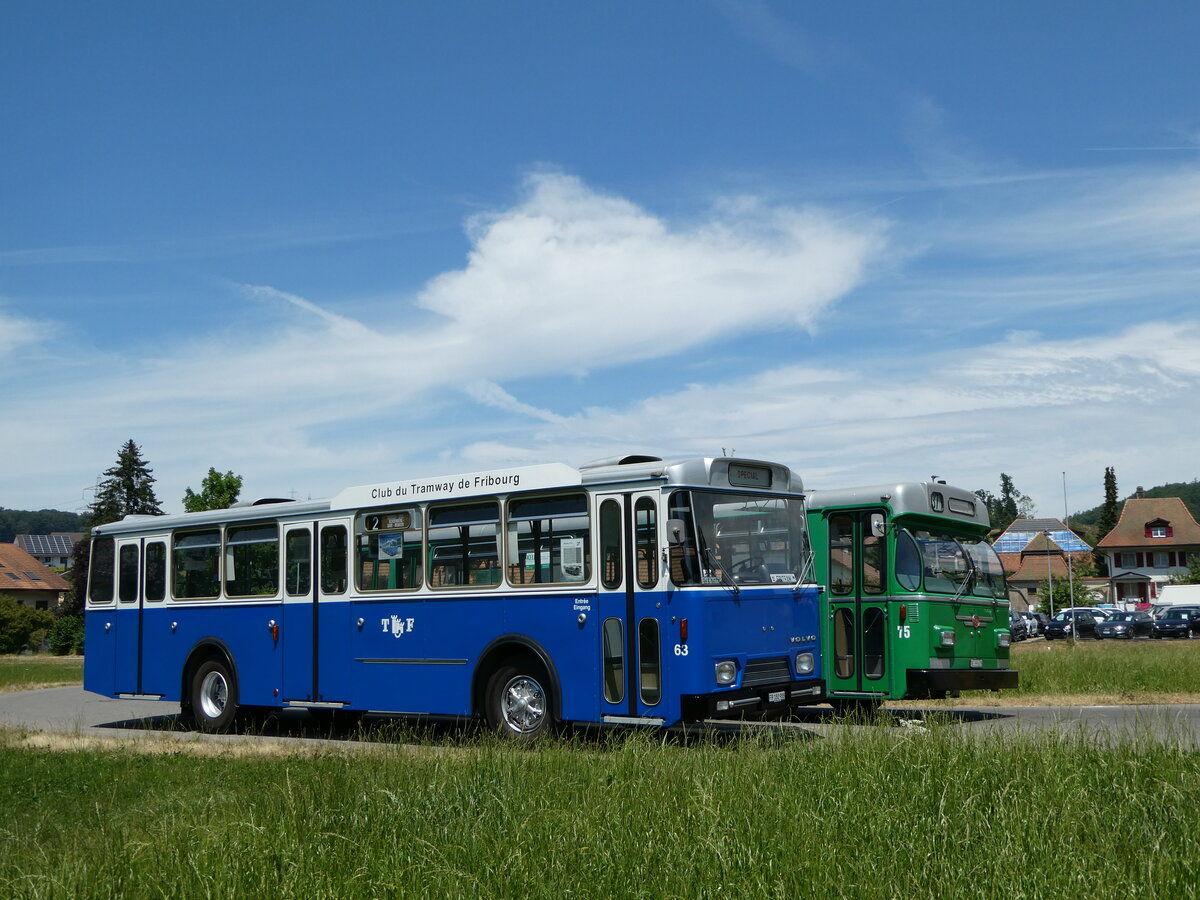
743 473
927 498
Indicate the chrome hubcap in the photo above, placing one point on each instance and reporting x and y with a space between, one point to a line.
523 704
214 694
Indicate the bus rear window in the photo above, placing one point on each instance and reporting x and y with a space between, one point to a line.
103 571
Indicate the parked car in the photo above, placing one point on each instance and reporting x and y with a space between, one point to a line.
1032 626
1177 622
1126 625
1099 613
1078 622
1016 625
1042 619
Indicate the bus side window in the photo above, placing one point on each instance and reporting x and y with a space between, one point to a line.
841 550
549 540
908 562
252 560
299 562
156 571
645 518
464 545
197 562
333 559
127 576
874 561
610 544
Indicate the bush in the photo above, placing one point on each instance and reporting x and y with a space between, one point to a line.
66 637
18 623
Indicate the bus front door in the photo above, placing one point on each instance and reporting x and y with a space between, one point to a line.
855 597
631 633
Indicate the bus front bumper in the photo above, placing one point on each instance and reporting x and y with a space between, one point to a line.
926 683
765 699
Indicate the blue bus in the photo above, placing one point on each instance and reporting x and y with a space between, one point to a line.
628 591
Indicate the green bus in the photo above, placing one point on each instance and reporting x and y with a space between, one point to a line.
914 603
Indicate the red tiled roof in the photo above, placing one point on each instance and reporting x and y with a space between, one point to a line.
1033 568
1130 530
21 572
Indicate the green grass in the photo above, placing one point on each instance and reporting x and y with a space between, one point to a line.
19 673
878 814
1126 670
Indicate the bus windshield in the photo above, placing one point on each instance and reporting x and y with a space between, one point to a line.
945 563
728 538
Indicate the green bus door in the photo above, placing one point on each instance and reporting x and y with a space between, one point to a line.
856 607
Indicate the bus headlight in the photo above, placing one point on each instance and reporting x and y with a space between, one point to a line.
948 638
726 671
1004 639
805 663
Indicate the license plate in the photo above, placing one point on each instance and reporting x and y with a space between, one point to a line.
776 696
977 664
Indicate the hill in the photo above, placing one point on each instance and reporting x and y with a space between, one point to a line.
1189 492
43 521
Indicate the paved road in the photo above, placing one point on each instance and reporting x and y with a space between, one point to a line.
72 710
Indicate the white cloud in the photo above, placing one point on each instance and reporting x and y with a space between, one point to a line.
576 279
1025 405
19 332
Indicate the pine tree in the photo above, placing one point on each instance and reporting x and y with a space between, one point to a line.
127 489
1108 518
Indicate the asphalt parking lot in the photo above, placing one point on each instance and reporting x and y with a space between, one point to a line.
74 711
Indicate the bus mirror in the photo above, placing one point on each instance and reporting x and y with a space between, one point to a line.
676 532
878 528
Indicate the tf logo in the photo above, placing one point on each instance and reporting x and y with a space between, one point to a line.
396 626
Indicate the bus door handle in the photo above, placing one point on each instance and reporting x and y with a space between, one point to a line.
274 628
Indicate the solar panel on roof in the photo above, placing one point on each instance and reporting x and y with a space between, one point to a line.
1016 541
56 544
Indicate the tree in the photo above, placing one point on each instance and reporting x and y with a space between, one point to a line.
1108 518
127 489
1062 593
1191 576
18 623
217 491
1010 505
81 557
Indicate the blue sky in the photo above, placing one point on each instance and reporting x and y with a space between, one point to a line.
331 244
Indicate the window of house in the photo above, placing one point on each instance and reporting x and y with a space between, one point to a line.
1127 560
1158 531
1160 559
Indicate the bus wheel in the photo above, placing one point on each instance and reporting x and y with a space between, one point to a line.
214 697
517 704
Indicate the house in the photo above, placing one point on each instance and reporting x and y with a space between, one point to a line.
25 578
1035 550
52 550
1155 538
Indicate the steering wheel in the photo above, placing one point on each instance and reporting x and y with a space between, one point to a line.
750 562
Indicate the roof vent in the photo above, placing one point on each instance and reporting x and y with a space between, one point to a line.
632 459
